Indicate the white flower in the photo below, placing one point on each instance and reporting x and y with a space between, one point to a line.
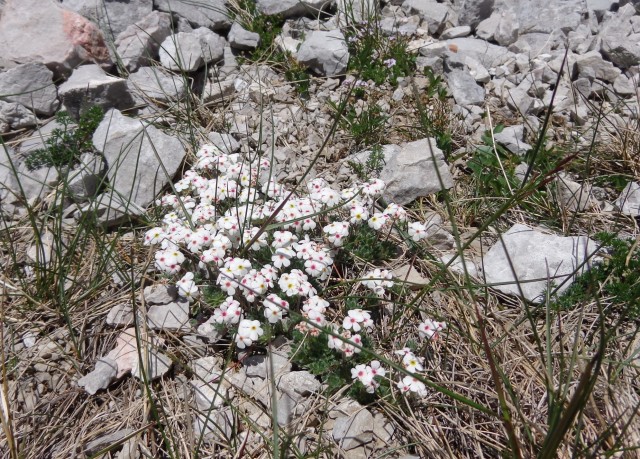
378 280
410 383
154 236
355 320
248 332
282 257
430 328
417 231
412 363
229 312
187 287
378 220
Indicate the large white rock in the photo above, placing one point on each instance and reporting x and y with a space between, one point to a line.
139 43
141 158
325 53
536 261
32 86
43 31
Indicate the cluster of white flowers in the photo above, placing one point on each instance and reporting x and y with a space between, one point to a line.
212 226
366 375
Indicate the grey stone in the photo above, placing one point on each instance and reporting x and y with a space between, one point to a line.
113 16
212 14
326 53
14 116
472 12
572 195
151 83
592 63
438 16
209 392
32 86
512 137
37 140
44 251
488 54
137 46
298 384
355 430
141 158
190 51
622 51
110 210
629 200
90 86
410 171
18 185
241 38
456 32
507 30
624 87
599 7
219 91
535 44
225 142
260 365
101 377
120 315
65 39
410 277
171 317
87 177
160 294
488 26
464 88
545 17
291 8
536 261
215 425
106 441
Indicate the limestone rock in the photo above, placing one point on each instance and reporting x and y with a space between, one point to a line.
190 51
65 38
137 46
437 15
14 116
411 170
241 38
90 86
172 316
141 158
592 63
472 12
291 8
535 255
212 14
32 86
512 137
355 430
464 88
152 84
298 384
326 53
113 16
573 196
629 200
622 51
101 377
160 294
120 314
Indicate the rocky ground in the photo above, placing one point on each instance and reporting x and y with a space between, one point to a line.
509 128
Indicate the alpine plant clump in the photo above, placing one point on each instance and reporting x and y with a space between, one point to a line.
271 252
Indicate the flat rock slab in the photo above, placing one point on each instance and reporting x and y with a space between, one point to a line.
65 39
190 51
355 430
32 86
538 260
153 84
411 170
141 158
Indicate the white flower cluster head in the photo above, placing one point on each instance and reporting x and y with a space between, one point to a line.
413 364
378 281
366 374
213 228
